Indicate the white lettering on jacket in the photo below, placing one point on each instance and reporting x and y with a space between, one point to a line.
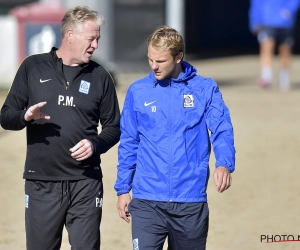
65 100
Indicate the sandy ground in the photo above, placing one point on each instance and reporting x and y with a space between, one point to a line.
264 197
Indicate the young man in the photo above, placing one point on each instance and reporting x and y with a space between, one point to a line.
165 148
60 97
273 22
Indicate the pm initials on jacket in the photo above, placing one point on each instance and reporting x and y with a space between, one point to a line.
65 100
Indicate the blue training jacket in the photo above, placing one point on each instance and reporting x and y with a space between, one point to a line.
273 13
165 144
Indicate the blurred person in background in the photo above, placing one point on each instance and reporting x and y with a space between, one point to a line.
165 148
60 97
273 21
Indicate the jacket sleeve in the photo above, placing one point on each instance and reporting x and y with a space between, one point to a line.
127 152
255 14
219 123
14 107
109 119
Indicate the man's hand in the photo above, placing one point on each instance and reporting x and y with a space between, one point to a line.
82 150
222 179
34 112
122 206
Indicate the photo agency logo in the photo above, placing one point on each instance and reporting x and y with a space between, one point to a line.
266 238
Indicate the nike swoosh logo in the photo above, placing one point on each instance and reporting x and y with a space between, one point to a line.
147 104
45 80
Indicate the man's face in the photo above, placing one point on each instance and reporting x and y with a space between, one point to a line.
163 64
85 42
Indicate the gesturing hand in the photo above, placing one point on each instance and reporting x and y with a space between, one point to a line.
34 112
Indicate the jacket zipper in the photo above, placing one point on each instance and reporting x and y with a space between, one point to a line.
65 82
61 75
170 136
68 83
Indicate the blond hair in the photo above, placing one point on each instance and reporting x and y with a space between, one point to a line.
74 18
166 38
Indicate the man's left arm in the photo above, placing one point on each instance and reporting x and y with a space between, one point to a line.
222 138
109 119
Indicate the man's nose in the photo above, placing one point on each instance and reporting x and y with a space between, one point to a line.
95 44
154 65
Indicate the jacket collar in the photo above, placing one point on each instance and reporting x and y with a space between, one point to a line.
189 71
56 60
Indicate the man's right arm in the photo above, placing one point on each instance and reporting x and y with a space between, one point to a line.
255 15
127 155
14 107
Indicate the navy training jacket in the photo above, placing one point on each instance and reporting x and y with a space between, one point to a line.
77 108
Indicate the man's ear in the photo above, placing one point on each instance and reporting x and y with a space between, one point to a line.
179 57
70 35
